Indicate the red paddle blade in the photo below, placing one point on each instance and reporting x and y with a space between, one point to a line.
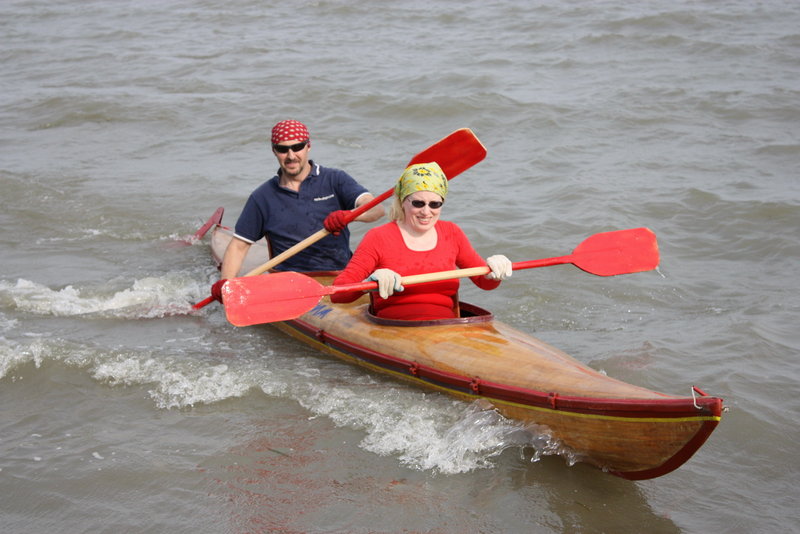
455 153
269 298
277 296
215 218
620 252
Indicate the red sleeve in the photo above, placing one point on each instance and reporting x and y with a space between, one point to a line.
362 264
467 258
382 247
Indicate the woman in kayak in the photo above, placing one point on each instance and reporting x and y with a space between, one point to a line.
417 242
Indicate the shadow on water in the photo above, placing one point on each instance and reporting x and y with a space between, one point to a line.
586 500
295 474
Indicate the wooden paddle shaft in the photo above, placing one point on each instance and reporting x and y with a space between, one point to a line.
477 271
444 275
294 249
321 291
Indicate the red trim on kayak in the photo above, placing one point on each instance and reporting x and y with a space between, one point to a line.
678 459
666 408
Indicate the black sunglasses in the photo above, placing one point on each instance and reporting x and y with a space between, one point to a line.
283 149
434 204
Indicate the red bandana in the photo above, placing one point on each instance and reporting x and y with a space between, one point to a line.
289 131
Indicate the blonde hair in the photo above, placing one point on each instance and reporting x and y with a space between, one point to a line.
396 212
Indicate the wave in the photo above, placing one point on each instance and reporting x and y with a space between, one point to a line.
428 432
147 298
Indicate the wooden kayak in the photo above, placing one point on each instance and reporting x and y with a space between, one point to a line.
623 429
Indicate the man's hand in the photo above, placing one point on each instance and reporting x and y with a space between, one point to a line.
216 289
336 221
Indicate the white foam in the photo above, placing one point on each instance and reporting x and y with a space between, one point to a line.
425 431
173 380
174 385
148 298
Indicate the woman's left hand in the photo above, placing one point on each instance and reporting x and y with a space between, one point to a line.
500 266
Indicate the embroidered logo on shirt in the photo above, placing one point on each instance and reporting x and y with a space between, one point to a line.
320 199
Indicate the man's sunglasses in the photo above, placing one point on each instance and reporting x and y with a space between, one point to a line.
434 204
284 149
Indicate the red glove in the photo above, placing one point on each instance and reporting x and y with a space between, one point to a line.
216 289
336 221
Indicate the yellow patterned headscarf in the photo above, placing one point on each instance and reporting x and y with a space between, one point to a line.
422 177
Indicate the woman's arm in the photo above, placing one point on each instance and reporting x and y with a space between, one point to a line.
468 257
361 265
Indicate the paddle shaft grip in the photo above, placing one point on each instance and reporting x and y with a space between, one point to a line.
447 275
409 280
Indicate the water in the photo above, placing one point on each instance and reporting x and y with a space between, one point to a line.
124 125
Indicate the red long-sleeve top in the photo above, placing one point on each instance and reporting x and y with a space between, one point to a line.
383 247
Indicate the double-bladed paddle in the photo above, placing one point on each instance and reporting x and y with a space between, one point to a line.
455 153
287 295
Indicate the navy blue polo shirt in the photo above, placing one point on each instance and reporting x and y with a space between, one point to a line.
287 217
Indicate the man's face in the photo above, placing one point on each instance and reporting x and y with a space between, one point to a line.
292 156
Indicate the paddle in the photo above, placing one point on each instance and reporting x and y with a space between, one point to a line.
455 153
287 295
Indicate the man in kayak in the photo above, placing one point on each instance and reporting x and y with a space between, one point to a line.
416 241
294 204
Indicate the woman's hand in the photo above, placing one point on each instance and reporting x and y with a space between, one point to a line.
388 282
500 266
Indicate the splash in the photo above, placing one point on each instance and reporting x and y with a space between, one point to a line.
476 439
148 298
428 432
173 381
175 386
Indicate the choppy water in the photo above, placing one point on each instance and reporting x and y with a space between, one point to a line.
124 125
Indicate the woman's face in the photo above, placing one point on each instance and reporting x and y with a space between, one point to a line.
422 219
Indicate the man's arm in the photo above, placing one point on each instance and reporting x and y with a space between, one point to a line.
234 258
372 214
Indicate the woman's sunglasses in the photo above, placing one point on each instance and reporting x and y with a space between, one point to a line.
433 204
284 149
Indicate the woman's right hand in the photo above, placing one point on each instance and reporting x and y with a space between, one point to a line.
388 282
